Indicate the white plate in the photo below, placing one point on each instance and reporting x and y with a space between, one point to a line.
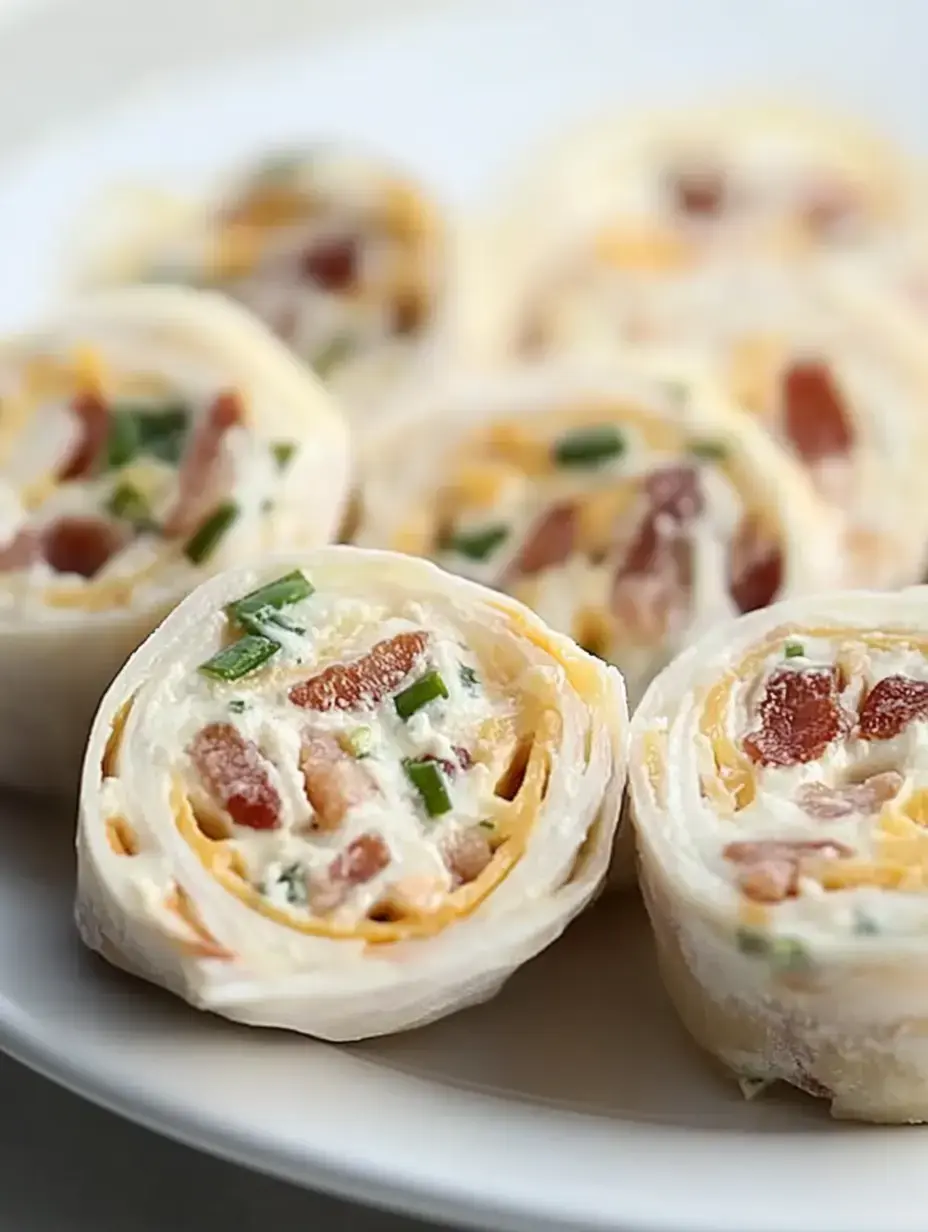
574 1100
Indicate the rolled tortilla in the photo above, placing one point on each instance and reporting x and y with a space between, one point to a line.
410 795
148 438
779 796
339 253
626 503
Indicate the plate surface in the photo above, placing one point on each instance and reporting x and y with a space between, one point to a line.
573 1100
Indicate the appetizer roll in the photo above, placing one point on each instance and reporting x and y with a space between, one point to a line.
339 254
780 798
148 438
346 794
628 505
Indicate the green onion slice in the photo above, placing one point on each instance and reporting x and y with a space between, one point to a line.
425 690
242 657
359 742
711 451
282 592
159 432
589 446
122 442
238 705
331 356
793 650
283 451
128 503
294 879
203 542
429 782
469 678
476 544
749 941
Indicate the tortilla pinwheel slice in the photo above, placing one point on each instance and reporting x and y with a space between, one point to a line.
148 438
627 504
340 254
779 792
346 793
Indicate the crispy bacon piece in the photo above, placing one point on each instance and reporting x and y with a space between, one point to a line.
819 800
549 542
82 545
799 717
891 705
814 415
769 869
698 192
366 681
468 854
755 567
23 550
200 468
235 775
93 417
335 781
361 861
332 263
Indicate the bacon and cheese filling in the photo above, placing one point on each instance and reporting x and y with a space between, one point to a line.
627 505
147 438
340 256
348 796
781 800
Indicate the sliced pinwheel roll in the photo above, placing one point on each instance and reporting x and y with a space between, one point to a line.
780 797
341 255
628 505
346 794
148 438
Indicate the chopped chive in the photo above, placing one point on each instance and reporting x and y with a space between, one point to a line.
425 690
711 451
469 678
282 592
204 540
242 657
864 924
475 544
487 825
122 442
294 879
751 942
238 705
589 446
429 782
793 650
788 954
358 742
283 451
128 503
163 432
266 621
325 361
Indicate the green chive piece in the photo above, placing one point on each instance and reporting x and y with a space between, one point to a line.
425 690
487 825
266 622
864 924
359 742
751 942
294 878
710 451
128 503
469 678
282 592
589 446
238 705
429 782
793 650
163 431
283 451
205 539
332 356
242 657
788 954
123 442
475 544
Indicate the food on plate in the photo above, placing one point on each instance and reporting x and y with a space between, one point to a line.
148 438
780 800
346 793
340 254
626 503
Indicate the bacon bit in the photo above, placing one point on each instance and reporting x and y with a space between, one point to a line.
199 471
23 550
409 312
82 545
332 263
814 417
235 775
335 781
549 542
755 567
360 862
891 705
771 868
468 854
699 192
799 717
367 681
93 417
675 491
828 803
